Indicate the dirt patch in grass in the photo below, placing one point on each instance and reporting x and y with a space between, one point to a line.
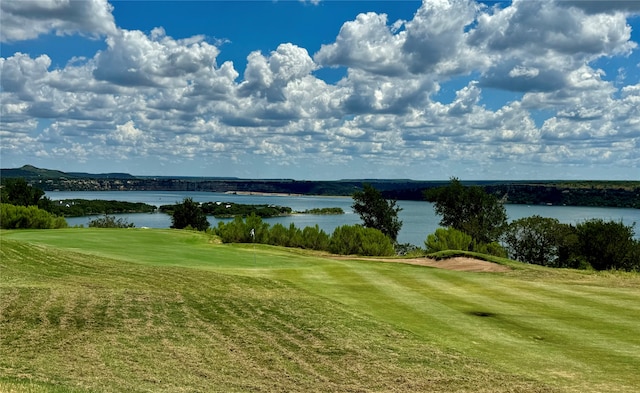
463 264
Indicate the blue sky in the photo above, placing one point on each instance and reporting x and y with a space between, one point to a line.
323 89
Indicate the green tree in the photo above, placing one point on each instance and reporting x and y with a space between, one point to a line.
470 210
19 193
569 249
189 213
607 245
535 240
377 212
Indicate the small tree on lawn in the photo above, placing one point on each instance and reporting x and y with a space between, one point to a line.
189 213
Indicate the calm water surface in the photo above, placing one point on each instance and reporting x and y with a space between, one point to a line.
418 217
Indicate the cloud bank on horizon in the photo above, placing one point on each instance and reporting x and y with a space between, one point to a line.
508 90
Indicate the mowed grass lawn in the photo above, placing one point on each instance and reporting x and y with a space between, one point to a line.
172 311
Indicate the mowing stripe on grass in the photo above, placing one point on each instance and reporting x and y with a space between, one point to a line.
104 325
209 314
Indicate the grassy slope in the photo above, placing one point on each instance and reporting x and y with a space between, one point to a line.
168 310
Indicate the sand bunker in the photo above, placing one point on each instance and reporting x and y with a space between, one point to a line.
463 264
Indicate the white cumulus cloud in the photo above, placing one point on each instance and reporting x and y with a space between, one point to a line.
27 19
417 94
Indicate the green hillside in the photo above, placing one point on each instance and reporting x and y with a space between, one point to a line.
30 172
161 310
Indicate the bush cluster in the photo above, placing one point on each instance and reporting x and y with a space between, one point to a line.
596 243
452 239
355 239
345 240
28 217
476 220
107 221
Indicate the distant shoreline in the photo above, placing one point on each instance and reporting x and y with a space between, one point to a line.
612 193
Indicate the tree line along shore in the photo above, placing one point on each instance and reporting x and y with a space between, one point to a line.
624 194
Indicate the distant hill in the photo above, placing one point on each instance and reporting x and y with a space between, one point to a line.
30 172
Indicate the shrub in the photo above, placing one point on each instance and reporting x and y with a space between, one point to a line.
233 231
448 239
355 239
493 248
278 235
407 249
312 238
294 236
107 221
257 230
452 239
28 217
633 263
315 238
240 231
345 240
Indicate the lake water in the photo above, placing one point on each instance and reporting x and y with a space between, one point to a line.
418 217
